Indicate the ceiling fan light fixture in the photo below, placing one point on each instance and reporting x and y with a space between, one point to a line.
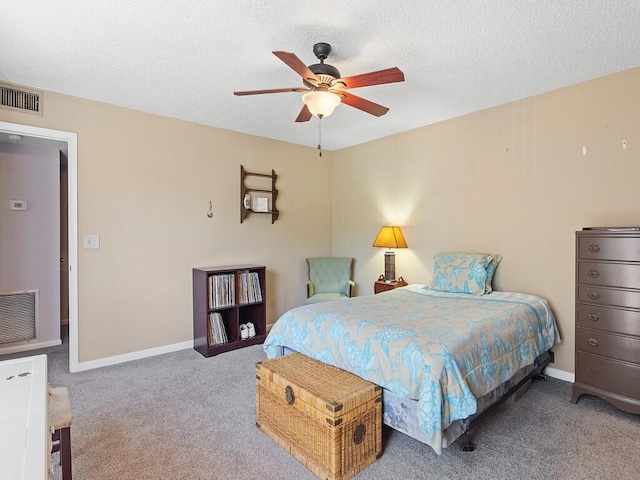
321 103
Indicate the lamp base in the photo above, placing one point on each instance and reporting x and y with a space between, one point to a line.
389 266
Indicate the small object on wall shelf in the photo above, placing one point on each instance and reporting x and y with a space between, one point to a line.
258 203
224 300
382 286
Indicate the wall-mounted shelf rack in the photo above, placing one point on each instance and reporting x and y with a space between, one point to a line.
272 194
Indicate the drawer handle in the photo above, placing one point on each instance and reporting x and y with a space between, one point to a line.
593 342
593 295
594 273
594 248
289 396
594 317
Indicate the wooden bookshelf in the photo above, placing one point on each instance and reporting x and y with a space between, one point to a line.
237 308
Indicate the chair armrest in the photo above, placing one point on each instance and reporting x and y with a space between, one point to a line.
310 289
350 285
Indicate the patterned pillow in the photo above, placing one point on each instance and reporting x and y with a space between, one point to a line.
491 269
461 272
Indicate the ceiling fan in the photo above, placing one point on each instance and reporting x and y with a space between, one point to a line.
326 89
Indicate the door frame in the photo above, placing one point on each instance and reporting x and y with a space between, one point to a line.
72 151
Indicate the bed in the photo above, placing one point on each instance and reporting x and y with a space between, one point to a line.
442 358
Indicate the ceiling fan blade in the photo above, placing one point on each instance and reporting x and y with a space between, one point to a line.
362 104
294 62
304 115
275 90
390 75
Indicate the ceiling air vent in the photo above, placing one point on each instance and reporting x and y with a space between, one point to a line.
26 100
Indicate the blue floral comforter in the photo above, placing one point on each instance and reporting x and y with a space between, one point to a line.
442 349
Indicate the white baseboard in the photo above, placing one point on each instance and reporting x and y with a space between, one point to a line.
127 357
560 374
29 346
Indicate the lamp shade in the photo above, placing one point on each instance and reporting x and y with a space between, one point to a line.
321 103
390 237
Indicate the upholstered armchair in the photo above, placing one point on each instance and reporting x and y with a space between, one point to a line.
330 278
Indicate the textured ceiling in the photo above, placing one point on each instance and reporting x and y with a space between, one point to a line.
185 59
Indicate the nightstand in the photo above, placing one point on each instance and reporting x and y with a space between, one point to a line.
382 286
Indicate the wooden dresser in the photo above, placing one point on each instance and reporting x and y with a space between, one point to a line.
608 316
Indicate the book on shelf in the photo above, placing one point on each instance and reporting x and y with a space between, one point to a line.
216 332
249 288
222 290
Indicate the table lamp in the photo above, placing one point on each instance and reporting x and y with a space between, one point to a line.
390 237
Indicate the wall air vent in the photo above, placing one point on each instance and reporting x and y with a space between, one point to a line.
18 317
20 99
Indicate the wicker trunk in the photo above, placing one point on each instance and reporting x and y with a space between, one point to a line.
329 419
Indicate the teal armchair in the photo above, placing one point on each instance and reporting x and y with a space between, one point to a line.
330 278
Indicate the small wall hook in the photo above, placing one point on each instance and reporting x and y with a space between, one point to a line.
210 212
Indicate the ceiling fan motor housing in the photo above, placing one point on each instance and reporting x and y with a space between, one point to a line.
326 73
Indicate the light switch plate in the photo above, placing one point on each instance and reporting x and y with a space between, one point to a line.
92 241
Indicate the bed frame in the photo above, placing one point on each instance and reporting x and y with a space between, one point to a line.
470 422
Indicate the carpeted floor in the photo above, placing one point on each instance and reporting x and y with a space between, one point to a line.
183 416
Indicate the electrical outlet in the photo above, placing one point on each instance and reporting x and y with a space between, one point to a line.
92 241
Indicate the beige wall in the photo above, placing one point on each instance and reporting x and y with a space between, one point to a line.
144 185
510 180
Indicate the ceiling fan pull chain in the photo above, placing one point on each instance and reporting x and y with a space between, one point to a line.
320 134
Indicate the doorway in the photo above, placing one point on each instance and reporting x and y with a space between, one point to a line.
42 136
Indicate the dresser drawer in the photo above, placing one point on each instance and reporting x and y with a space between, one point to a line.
614 320
618 377
608 296
609 274
616 347
625 249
